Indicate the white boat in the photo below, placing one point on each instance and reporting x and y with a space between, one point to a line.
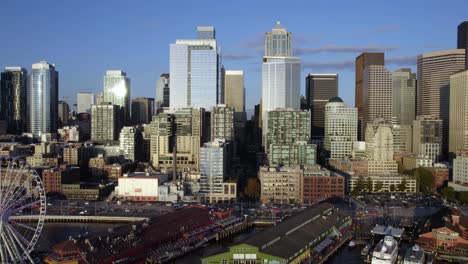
414 255
386 251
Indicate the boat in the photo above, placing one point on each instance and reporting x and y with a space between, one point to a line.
414 255
351 244
386 251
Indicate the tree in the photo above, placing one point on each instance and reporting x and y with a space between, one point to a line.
392 188
369 185
402 186
463 197
252 190
378 186
424 180
359 184
448 193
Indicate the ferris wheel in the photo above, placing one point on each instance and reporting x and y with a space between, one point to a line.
22 211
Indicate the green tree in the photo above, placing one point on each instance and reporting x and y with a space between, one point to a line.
392 188
463 197
448 193
252 190
378 186
369 185
360 184
402 186
424 180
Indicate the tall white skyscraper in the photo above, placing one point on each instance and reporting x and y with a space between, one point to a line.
340 128
377 94
84 101
281 74
195 73
43 99
117 92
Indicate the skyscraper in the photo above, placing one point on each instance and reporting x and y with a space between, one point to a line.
427 136
340 128
377 94
162 92
434 70
281 74
404 96
117 92
43 99
13 89
234 92
142 110
320 88
458 135
362 61
63 113
278 42
131 143
105 122
84 102
195 73
462 40
222 123
206 32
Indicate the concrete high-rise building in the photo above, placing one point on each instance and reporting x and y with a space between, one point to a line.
404 96
214 160
162 92
206 32
460 169
63 113
434 70
287 126
278 42
13 99
320 88
105 122
234 92
363 61
84 101
43 99
142 110
427 137
379 147
340 128
402 138
462 40
131 143
222 123
117 92
377 94
195 72
100 98
458 131
299 153
281 74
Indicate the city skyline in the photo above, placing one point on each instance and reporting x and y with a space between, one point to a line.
144 54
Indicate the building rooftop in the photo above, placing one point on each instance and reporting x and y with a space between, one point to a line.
336 100
289 237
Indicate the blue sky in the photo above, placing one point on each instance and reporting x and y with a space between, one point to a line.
86 38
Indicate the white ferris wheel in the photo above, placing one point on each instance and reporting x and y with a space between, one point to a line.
22 211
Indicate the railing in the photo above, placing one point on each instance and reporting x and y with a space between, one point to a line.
80 218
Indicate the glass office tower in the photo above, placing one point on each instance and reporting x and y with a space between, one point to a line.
117 92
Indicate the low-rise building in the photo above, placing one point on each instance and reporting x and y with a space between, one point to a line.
90 192
350 166
320 184
281 185
415 161
140 187
292 240
440 175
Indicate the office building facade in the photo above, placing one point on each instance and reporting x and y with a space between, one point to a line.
234 92
320 88
117 92
427 136
404 97
84 101
195 72
458 129
105 122
162 92
63 113
222 123
142 110
462 40
434 70
340 128
131 143
43 99
13 99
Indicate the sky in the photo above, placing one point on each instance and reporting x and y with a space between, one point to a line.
85 38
